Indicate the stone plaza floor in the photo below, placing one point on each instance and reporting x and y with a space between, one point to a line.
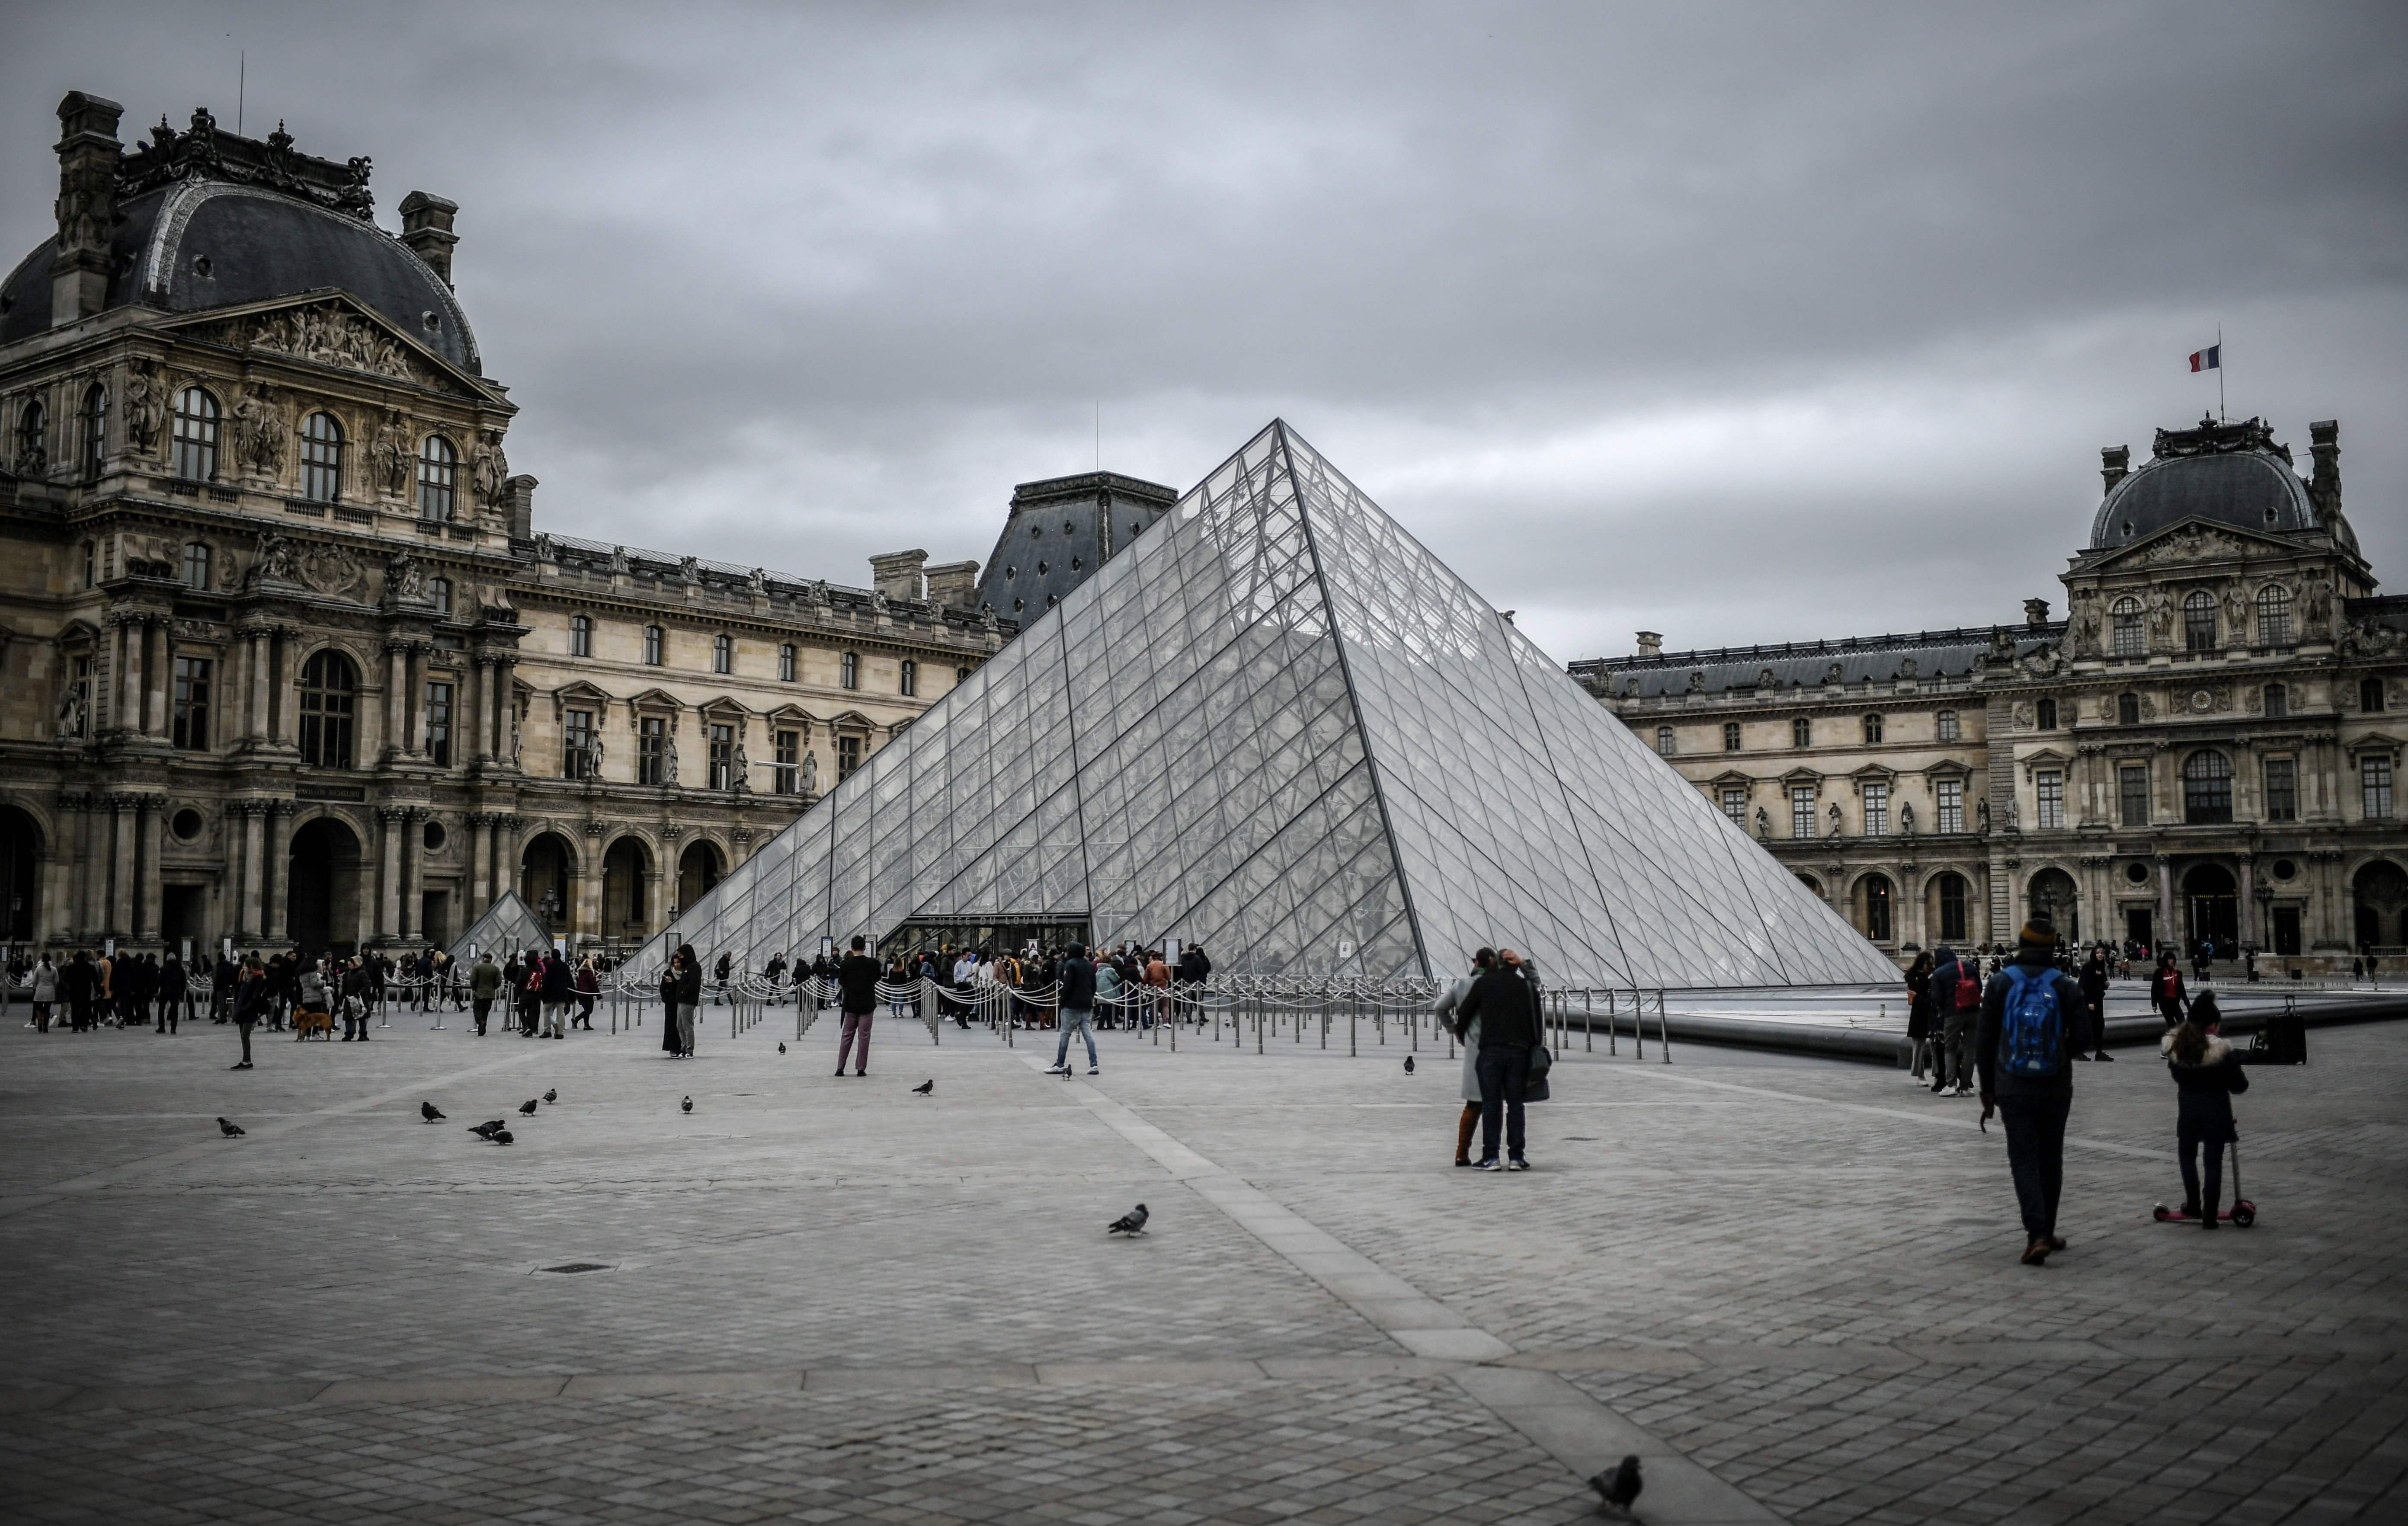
1790 1285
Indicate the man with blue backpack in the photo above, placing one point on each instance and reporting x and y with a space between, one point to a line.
2032 1016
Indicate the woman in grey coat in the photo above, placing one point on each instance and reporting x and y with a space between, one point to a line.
1469 1039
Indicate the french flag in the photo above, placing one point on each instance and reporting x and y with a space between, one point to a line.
2210 359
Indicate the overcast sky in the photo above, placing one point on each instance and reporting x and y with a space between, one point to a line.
1738 324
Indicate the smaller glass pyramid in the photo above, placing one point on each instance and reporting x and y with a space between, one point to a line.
502 929
1277 726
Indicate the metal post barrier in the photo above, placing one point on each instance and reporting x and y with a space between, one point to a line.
1638 1023
1612 1030
1589 1018
1663 1027
1352 1053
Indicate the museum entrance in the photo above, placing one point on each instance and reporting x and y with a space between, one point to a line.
2054 896
21 850
2381 892
1001 935
2212 905
2140 926
322 887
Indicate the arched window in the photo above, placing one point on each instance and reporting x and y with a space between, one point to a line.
2274 616
329 699
438 590
2198 620
322 458
2370 695
1877 908
194 435
2131 636
33 434
196 565
94 430
1801 733
1873 730
2045 715
785 661
2278 701
1664 741
438 475
908 684
1730 736
652 645
2207 788
849 670
581 635
1952 908
2128 710
722 654
1947 726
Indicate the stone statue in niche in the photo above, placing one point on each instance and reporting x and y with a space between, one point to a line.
404 579
1763 823
71 716
2318 605
810 773
389 457
758 581
259 432
1835 820
141 410
2236 615
1906 819
668 760
1980 815
619 566
740 768
2161 616
489 469
517 736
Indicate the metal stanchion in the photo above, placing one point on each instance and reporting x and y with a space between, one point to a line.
1663 1027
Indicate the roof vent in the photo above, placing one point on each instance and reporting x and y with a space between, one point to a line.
432 320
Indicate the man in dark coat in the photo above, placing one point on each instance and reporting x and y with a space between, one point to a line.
1507 1010
2023 1051
171 996
856 981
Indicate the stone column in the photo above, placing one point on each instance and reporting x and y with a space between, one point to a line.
480 853
284 688
396 723
148 895
505 701
2250 932
656 891
91 872
413 700
126 649
125 816
2167 927
413 877
275 858
251 918
388 871
474 713
159 691
62 910
255 686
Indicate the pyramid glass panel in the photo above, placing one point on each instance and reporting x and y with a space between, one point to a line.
1277 724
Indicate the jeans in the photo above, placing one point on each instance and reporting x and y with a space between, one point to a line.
1504 1071
2036 1156
685 1027
856 1024
555 1020
244 1028
2192 1142
484 1007
1957 1049
1926 1052
1082 1021
355 1021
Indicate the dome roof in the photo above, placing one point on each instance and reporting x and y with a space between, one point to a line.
2234 474
193 244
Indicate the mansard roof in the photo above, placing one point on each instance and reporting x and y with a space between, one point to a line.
1808 665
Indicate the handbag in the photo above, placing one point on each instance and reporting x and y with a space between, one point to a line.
1542 1060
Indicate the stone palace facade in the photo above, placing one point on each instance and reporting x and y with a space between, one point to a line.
286 658
2206 747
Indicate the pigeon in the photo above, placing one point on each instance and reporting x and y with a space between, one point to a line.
926 1088
552 1095
230 1128
428 1111
501 1136
487 1129
1408 1064
1620 1487
1131 1223
528 1107
782 1048
685 1104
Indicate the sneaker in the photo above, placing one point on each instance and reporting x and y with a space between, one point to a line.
1090 1070
1517 1165
1057 1070
2102 1055
1491 1165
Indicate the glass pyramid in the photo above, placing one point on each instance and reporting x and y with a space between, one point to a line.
1277 726
502 929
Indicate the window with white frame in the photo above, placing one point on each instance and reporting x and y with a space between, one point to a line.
1730 736
2374 787
1946 722
2274 616
1735 803
1948 802
2048 789
1801 810
1664 747
2131 635
1876 794
1872 731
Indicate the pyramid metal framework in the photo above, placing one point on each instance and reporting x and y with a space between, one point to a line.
509 923
1276 725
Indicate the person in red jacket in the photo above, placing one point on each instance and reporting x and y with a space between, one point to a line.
2166 991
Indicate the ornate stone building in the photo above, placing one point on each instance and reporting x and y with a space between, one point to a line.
2206 747
286 658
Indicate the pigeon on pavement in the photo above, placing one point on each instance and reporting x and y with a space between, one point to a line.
500 1136
1131 1223
1620 1487
488 1129
685 1104
229 1128
926 1088
782 1048
1408 1064
528 1107
428 1111
552 1095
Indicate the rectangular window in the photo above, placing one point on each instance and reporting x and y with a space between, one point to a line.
577 745
438 724
907 685
1950 804
1801 810
196 568
722 654
75 719
1876 811
439 591
2048 785
848 672
723 756
848 757
2282 790
652 738
2132 788
192 703
789 746
1735 803
2278 702
786 663
1948 725
1730 736
652 646
2374 787
581 635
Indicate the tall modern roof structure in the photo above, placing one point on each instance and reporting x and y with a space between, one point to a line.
1278 726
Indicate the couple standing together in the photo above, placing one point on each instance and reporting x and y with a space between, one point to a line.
1494 1013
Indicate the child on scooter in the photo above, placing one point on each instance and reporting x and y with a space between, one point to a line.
2207 1072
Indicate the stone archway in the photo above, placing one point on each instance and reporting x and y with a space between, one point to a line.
627 887
2380 894
699 868
2052 895
1872 901
547 875
2212 907
322 887
21 853
1949 908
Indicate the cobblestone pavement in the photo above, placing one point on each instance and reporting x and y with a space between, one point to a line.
1790 1285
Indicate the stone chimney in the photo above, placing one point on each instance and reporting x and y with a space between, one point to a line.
87 206
2324 485
898 574
426 228
2035 613
2114 464
953 585
1651 643
518 503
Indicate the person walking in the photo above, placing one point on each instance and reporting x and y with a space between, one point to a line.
2030 1017
2208 1072
1449 1002
1956 1004
1503 1003
681 994
484 984
44 980
312 993
588 982
2095 972
856 981
1078 1002
2165 992
1920 1048
558 990
251 998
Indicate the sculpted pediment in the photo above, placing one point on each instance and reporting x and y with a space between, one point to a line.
2196 540
330 329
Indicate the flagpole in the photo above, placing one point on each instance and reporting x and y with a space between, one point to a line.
2221 417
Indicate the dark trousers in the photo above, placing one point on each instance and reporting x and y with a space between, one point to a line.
2036 1154
2192 1142
244 1029
856 1025
484 1010
1504 1072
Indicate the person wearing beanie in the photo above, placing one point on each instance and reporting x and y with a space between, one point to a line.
2032 1014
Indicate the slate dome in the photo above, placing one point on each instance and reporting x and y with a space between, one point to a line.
2233 473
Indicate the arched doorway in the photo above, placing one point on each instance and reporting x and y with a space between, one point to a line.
2051 895
2381 892
21 851
626 871
1874 908
2212 907
322 887
545 870
1948 907
698 869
